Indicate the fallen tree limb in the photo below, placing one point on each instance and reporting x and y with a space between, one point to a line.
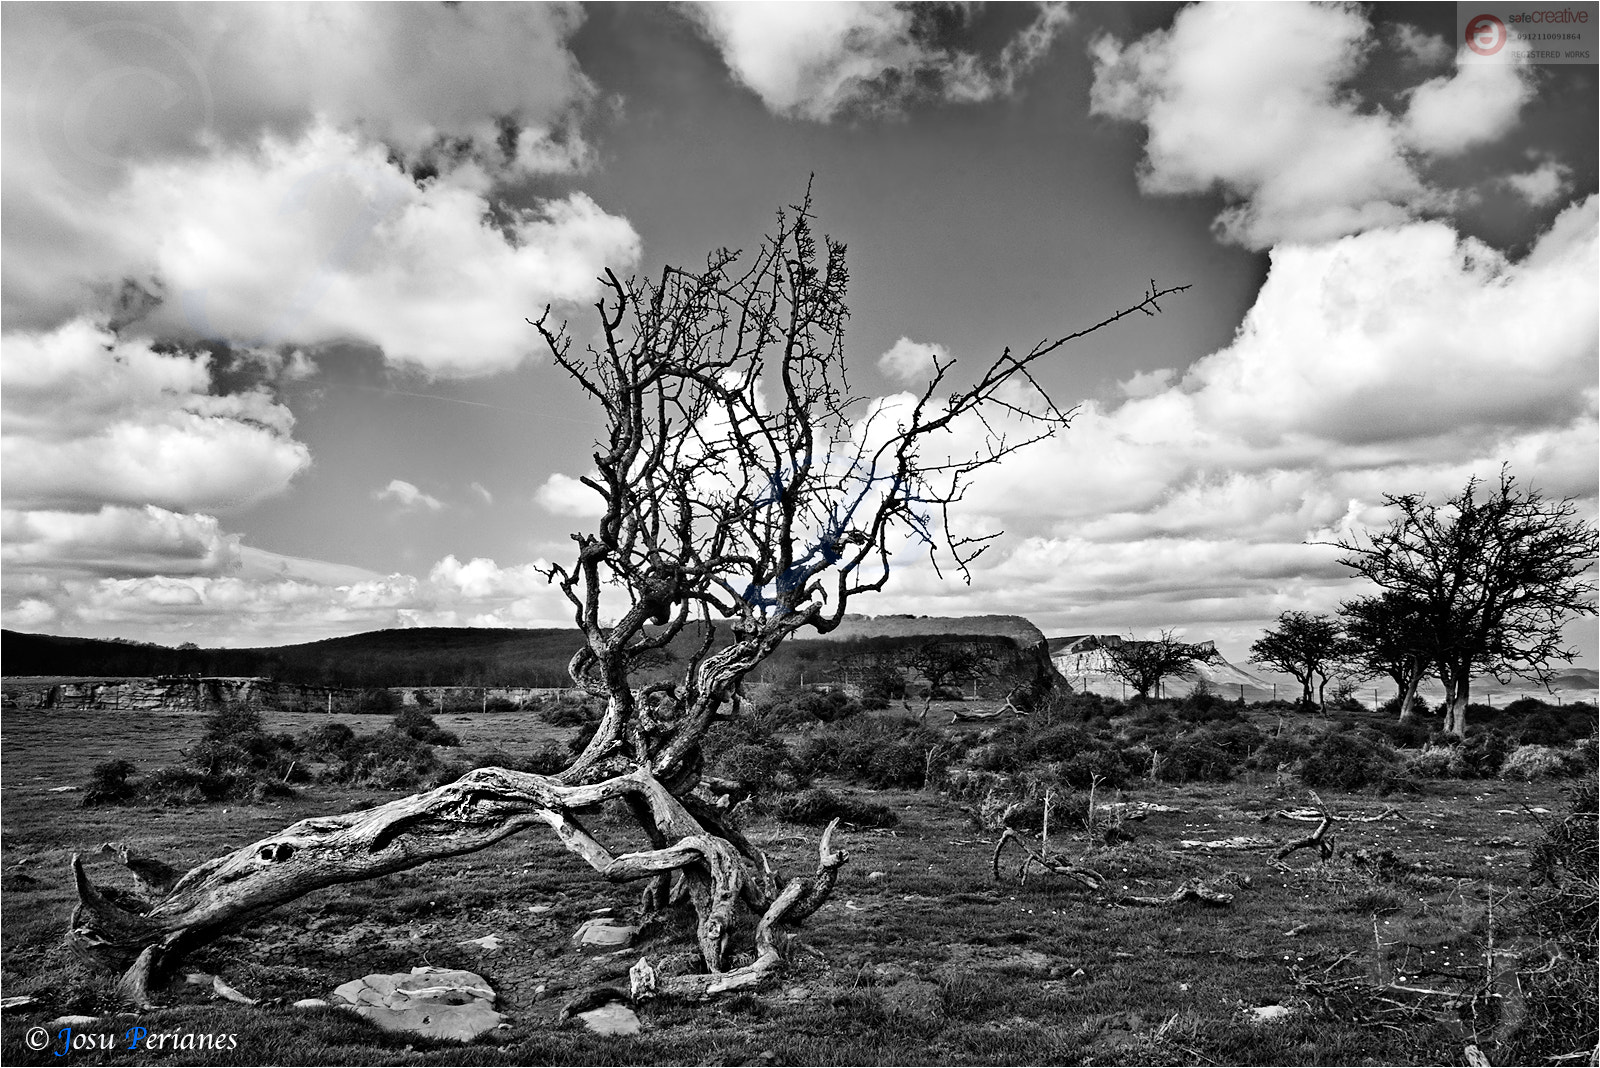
1192 890
481 808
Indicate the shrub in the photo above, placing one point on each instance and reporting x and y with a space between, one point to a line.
1203 706
327 742
1055 743
1483 752
1435 762
1391 708
756 766
1350 760
421 726
1195 758
1110 765
994 756
1560 997
177 785
818 806
378 699
1530 762
828 707
567 713
900 764
108 784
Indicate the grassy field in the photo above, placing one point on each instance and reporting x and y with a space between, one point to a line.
922 957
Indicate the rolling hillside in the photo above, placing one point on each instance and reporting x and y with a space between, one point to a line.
464 656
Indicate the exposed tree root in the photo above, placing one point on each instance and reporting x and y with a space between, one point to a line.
717 872
795 902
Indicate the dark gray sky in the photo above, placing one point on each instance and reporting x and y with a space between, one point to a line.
266 375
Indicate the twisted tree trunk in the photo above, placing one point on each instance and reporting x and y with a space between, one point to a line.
718 872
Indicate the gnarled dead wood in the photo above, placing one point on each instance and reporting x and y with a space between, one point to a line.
959 716
1317 839
1192 890
483 807
794 903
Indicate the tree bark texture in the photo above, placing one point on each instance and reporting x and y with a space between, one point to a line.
144 939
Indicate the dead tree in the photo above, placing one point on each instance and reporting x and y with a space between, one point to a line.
746 495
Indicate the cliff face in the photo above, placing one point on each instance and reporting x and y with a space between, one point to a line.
163 694
1030 665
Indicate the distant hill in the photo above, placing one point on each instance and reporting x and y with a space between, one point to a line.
422 656
468 656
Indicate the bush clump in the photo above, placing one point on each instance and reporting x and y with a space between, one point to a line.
1350 760
817 806
421 726
1530 762
1435 762
1561 1003
568 713
108 784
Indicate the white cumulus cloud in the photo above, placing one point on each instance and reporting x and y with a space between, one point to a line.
911 362
1400 360
407 495
816 61
93 419
323 238
1257 101
565 495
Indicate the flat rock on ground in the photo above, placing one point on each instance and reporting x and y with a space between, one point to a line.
603 935
612 1019
435 1002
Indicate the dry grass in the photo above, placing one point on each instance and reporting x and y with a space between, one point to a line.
921 958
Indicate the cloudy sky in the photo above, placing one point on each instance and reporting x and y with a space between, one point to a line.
266 376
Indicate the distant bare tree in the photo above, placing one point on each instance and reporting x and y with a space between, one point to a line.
1495 576
1309 646
943 663
1143 664
746 495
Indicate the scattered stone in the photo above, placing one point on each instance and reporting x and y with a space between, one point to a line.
310 1003
1238 841
433 1002
20 1003
613 1019
539 910
642 980
876 874
72 1021
64 789
1265 1014
1134 809
218 987
603 935
488 942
